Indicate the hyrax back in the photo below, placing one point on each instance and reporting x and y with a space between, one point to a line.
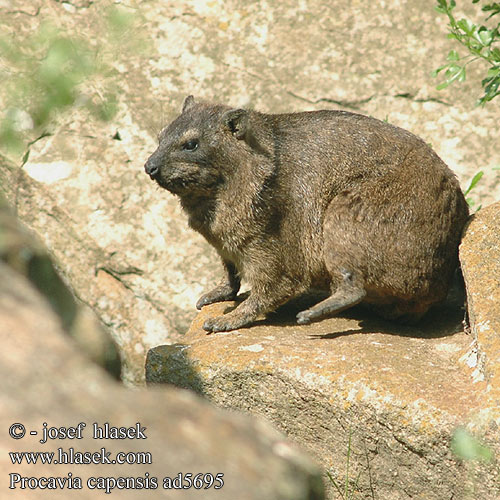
328 200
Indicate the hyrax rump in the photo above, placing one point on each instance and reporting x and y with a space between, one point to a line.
325 200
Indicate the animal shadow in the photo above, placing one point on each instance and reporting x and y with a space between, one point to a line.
442 320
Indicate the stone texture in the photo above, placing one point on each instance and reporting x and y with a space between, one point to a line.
45 378
123 244
99 275
480 261
400 392
25 254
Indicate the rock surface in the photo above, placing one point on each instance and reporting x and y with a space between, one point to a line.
400 392
98 276
480 261
45 378
22 252
123 244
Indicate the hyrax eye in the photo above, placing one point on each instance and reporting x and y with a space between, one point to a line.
191 145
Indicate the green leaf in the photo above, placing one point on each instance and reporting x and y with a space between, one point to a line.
467 447
466 26
442 6
493 72
495 54
461 75
26 157
473 182
437 70
453 68
491 90
483 36
453 55
455 72
493 7
443 85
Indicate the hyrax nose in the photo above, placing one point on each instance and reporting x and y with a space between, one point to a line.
151 168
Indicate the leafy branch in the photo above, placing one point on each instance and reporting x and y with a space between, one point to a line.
481 44
53 70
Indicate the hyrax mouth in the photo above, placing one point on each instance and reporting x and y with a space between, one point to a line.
173 185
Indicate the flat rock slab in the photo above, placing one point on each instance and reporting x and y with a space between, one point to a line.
124 245
399 392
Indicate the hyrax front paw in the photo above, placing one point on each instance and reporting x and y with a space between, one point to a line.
226 323
221 293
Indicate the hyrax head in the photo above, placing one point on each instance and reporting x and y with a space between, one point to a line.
193 157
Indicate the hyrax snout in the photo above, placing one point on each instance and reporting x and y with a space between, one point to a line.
325 200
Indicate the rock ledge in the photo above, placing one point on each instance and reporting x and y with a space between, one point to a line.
400 392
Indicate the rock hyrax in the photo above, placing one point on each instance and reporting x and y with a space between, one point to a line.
326 200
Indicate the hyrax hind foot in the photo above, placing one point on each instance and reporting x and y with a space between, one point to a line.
348 294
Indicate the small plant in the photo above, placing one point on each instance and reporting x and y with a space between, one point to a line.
472 185
472 452
346 491
481 42
467 447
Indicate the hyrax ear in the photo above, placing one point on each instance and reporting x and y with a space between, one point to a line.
236 120
188 103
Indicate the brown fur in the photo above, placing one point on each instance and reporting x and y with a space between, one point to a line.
326 199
